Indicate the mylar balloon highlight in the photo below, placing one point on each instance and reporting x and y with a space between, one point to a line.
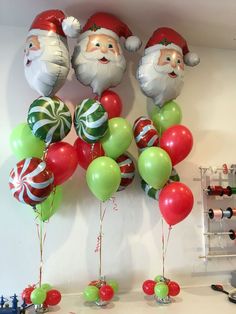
154 166
103 177
175 202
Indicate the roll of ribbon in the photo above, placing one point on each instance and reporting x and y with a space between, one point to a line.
233 190
234 211
216 213
228 213
232 234
227 191
215 190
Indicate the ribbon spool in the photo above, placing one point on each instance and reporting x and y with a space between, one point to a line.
232 234
233 190
216 190
216 214
227 191
228 213
234 211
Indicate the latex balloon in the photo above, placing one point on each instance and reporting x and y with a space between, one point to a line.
112 103
175 202
163 118
154 166
46 60
47 209
38 296
31 181
148 287
103 177
91 294
145 134
24 143
90 120
161 290
114 284
87 152
53 297
98 58
177 141
174 288
150 191
46 287
25 295
118 137
49 119
106 293
127 170
62 160
161 69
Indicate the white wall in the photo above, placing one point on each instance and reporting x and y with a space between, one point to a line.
132 243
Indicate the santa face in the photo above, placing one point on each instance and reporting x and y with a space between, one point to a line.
161 74
46 63
98 61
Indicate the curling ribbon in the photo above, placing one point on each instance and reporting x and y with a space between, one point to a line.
216 214
228 213
234 211
218 190
225 169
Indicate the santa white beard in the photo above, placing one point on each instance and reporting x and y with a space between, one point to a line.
49 66
90 72
155 81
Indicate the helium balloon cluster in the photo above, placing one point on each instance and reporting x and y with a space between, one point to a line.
45 295
100 291
161 288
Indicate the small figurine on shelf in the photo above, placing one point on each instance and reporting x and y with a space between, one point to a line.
14 309
162 289
100 291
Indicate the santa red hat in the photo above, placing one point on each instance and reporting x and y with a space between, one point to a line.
167 38
55 22
108 24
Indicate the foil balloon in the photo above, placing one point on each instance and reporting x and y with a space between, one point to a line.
31 181
98 58
46 59
127 170
90 120
49 119
150 191
145 134
161 69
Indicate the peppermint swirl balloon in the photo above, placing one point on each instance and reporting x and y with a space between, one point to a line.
49 119
174 177
90 120
150 191
30 181
127 170
145 134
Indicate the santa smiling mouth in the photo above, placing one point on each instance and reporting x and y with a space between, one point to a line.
172 74
104 60
28 63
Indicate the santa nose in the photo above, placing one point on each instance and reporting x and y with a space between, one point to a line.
174 64
103 49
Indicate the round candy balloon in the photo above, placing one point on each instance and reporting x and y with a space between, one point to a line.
90 120
127 170
150 191
145 133
30 181
49 119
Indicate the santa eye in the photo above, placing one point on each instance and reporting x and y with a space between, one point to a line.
97 45
178 61
168 59
30 45
110 46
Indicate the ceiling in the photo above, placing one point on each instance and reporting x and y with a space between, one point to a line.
210 23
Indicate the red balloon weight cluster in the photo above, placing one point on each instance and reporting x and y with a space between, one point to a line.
175 202
26 294
52 296
62 160
87 152
177 141
111 102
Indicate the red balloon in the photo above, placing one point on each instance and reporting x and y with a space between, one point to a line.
111 103
53 297
87 152
106 293
26 294
62 160
174 288
177 141
175 202
148 287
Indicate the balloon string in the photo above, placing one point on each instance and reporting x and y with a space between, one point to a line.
42 238
115 206
168 238
163 247
100 238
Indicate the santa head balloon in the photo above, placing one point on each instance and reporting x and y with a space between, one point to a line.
98 58
161 69
46 60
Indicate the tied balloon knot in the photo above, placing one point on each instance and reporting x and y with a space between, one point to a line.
98 245
114 204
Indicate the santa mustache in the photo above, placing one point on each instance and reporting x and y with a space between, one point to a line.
97 55
167 68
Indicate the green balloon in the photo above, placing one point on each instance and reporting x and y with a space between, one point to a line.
118 137
170 114
114 284
46 209
155 166
38 296
46 287
159 278
161 290
24 143
91 294
103 177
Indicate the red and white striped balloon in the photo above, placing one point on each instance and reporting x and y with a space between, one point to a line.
127 170
145 134
30 181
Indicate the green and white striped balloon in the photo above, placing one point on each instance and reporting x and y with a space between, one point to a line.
150 191
90 120
174 176
49 119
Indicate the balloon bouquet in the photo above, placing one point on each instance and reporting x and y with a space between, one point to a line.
103 136
45 161
163 142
